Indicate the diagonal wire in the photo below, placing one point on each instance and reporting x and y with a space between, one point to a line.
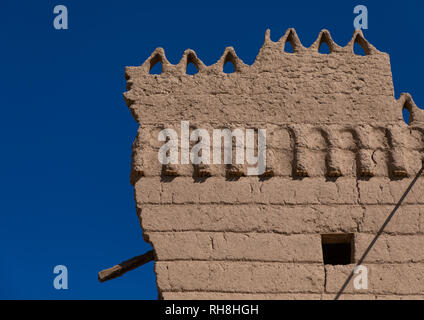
380 231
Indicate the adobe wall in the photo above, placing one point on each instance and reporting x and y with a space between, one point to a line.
339 158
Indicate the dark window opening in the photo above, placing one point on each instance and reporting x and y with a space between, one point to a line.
337 249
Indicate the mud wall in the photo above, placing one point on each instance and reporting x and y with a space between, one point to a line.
339 158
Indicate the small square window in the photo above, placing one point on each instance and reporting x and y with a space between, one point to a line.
337 249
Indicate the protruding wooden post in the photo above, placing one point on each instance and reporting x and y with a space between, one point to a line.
123 267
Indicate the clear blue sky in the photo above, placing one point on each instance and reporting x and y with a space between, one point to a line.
66 132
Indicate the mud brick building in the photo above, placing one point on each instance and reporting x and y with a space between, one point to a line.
339 158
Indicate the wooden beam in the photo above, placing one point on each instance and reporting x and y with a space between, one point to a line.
125 266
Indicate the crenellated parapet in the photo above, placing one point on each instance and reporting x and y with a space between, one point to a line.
336 113
267 51
279 87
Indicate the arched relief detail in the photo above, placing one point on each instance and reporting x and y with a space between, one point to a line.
235 170
232 171
201 170
312 151
365 166
365 163
309 150
280 149
300 166
396 140
170 170
269 170
332 157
